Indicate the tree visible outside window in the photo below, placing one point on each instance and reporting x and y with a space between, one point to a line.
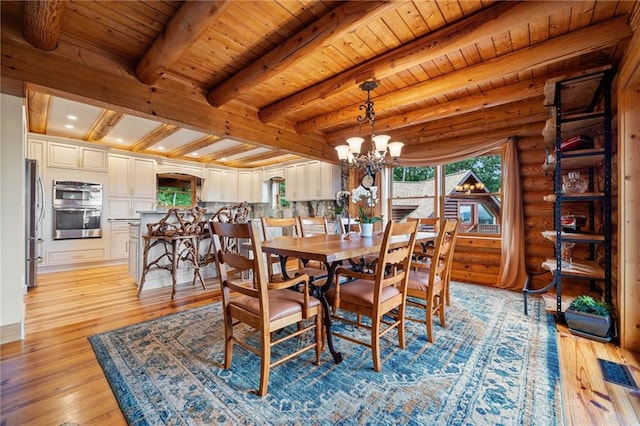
176 190
468 190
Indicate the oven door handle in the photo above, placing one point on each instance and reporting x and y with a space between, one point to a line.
76 209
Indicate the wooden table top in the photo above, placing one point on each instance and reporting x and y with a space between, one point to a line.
331 248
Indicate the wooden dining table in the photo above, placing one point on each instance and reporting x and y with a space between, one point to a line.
332 251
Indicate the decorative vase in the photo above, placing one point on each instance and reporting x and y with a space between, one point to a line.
366 229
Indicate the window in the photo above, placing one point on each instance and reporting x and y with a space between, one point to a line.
176 190
468 190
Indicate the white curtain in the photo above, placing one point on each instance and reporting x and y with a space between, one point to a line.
512 273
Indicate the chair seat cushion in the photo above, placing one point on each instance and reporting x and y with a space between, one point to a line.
419 280
360 292
282 303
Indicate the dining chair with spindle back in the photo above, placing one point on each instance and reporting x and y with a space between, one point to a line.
379 295
427 284
267 307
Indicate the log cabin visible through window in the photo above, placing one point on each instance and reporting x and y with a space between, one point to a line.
468 190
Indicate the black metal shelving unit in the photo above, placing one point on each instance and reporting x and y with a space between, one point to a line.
582 106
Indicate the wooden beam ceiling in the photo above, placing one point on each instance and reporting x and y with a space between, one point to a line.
334 25
570 45
191 21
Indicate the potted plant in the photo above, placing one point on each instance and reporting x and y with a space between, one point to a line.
589 317
366 199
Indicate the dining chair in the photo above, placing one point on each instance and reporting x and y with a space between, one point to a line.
349 225
266 306
428 224
427 284
273 227
380 295
313 225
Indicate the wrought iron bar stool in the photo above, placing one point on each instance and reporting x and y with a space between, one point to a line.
176 237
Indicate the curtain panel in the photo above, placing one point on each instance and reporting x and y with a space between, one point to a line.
513 272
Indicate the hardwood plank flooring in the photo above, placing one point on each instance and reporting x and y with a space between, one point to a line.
52 377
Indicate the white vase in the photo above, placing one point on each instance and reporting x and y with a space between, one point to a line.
366 229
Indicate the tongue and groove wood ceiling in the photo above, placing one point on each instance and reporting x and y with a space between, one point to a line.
252 83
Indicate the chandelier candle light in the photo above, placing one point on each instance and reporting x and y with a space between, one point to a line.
375 159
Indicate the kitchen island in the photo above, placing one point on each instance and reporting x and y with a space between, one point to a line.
157 278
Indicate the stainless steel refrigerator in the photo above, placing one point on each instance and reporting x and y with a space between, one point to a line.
34 207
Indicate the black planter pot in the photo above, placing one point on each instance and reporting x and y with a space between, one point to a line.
588 324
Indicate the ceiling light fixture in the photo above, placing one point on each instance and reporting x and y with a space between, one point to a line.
374 160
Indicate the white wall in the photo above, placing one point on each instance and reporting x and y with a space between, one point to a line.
12 218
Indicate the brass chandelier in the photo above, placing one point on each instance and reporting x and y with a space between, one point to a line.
376 158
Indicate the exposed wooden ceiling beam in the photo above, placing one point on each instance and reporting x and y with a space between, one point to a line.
38 108
154 137
69 75
418 154
193 146
570 45
482 25
103 125
344 18
274 160
42 23
219 155
486 120
248 161
189 23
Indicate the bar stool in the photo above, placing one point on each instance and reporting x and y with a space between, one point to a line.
176 237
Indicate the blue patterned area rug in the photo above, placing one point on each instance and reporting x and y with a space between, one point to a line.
491 365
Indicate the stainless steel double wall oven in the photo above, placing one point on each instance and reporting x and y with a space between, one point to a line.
77 210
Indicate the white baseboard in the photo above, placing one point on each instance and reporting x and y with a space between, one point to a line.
10 333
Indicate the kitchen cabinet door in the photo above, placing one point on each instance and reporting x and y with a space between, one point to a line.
244 186
259 188
229 185
119 176
76 157
143 178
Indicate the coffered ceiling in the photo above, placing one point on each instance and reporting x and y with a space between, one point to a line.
250 83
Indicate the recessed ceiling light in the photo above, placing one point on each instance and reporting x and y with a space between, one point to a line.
119 140
161 148
72 117
68 126
195 154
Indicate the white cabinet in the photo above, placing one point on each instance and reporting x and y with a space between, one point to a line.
134 258
132 185
188 169
244 186
295 178
313 180
331 181
119 176
259 188
220 185
76 157
119 236
132 177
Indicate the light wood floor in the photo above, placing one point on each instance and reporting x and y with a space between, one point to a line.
53 378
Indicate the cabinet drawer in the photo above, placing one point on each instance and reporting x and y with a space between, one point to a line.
120 227
74 256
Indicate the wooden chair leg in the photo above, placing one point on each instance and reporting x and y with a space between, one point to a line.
375 343
228 341
441 303
429 320
265 363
